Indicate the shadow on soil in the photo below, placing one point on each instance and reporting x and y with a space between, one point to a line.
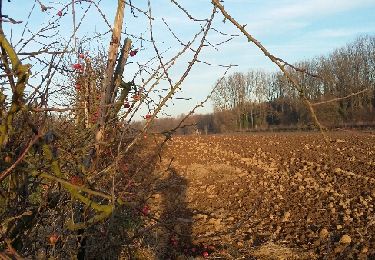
176 216
156 222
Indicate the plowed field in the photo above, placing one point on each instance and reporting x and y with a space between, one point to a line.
271 196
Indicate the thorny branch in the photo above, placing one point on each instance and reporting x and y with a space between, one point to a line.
279 62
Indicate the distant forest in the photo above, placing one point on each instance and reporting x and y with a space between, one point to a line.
341 86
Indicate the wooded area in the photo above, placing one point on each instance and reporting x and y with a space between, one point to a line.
341 87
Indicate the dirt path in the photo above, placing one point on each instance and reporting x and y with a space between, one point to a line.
270 196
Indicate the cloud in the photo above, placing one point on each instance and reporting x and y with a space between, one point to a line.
340 32
314 8
278 17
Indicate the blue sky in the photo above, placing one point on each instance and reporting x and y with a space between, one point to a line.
294 30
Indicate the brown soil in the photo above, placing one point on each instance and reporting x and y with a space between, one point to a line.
269 196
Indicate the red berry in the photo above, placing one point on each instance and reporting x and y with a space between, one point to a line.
205 254
77 66
133 52
76 180
126 105
59 13
81 56
145 210
148 116
94 117
129 184
78 87
124 167
53 238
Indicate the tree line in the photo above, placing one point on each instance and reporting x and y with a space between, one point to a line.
340 86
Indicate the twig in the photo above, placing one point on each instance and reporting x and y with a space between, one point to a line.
34 53
279 62
76 187
187 13
8 171
340 98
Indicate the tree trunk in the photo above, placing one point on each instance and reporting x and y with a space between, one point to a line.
108 81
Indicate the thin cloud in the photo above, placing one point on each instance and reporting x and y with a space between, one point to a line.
340 32
315 8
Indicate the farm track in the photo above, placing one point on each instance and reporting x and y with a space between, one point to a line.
272 196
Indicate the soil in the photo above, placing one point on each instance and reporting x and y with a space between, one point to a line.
268 196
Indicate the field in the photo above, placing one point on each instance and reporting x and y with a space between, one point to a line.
270 196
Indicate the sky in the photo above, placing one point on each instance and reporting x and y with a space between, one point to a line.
293 30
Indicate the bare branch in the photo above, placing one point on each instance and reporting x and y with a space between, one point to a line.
341 98
275 60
